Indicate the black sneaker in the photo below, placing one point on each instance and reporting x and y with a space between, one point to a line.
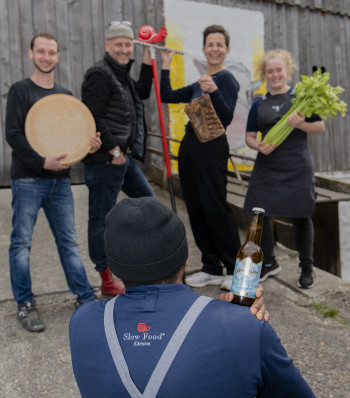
30 318
306 280
274 269
78 304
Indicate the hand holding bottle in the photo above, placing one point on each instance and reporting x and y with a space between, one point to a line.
258 307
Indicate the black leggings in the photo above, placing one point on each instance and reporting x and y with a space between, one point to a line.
304 238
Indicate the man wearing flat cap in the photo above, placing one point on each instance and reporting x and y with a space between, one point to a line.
160 338
115 101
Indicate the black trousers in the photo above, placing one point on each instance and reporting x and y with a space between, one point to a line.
304 238
202 170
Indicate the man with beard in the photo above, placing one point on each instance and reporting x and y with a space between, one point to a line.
38 182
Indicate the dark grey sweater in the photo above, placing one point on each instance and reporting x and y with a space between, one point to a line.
25 161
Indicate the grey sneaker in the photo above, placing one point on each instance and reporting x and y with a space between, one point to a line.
306 280
201 279
30 318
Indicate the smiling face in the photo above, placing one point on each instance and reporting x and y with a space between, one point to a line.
215 50
276 75
120 49
44 54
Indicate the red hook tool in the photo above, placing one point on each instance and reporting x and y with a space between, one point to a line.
148 37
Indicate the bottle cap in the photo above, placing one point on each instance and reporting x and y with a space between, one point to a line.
259 209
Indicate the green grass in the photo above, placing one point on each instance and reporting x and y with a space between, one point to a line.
323 309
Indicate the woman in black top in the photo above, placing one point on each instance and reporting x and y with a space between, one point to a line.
203 166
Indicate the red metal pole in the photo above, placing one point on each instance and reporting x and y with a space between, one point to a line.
162 129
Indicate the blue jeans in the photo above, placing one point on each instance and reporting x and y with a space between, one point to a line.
56 199
105 180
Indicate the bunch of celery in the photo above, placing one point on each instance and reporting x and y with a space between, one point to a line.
313 96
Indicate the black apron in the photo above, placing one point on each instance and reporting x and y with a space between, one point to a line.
283 182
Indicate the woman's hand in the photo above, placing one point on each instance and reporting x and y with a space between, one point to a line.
147 58
167 57
258 307
207 84
296 120
266 149
252 142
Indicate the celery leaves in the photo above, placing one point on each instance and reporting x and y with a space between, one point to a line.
313 96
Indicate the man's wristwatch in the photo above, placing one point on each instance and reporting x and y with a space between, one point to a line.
116 153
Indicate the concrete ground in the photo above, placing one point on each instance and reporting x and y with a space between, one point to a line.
38 365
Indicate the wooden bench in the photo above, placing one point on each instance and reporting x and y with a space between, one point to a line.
325 218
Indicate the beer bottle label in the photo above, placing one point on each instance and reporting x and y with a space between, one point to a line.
246 277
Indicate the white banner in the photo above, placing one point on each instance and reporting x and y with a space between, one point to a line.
185 22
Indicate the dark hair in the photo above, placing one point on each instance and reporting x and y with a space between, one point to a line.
45 35
216 29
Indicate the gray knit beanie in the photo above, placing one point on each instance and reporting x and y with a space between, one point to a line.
144 240
119 31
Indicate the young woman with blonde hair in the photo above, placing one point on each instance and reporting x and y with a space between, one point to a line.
282 181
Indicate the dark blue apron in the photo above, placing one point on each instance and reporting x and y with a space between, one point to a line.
283 182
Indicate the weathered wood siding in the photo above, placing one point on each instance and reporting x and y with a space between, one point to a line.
79 27
317 32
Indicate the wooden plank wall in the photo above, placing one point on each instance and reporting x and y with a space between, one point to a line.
317 32
79 27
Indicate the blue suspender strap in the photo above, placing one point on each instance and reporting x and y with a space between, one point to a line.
165 360
117 352
173 346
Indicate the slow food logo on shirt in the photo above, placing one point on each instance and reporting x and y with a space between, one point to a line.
142 327
143 338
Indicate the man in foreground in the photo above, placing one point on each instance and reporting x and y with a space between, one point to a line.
39 182
161 338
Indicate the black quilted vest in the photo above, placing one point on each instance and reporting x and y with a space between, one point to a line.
125 112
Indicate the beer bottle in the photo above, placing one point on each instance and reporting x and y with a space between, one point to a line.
248 263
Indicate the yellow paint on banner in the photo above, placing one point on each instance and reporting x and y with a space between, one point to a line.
258 52
177 115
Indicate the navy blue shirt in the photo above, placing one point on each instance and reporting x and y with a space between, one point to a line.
224 99
227 353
